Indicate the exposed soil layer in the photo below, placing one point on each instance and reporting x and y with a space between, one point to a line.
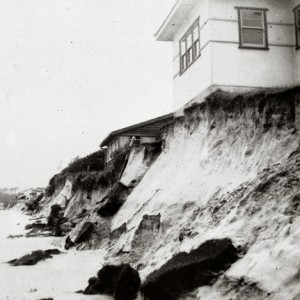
152 151
147 231
220 106
187 271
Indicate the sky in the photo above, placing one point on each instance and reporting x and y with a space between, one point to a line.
71 71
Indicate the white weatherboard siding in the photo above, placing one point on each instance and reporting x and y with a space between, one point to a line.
247 68
222 63
123 141
198 76
148 139
278 9
252 68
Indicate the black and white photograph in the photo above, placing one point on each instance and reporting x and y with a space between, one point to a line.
150 149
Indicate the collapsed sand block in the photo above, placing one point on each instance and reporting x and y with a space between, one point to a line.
123 282
187 271
34 257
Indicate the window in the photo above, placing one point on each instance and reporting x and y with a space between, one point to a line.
253 30
137 140
189 46
297 26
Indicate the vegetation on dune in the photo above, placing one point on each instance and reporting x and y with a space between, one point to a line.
94 162
90 172
87 181
54 182
114 199
220 106
112 172
33 205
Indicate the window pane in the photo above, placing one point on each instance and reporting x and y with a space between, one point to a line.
189 56
252 36
298 17
189 40
183 63
182 45
196 32
189 46
252 18
196 48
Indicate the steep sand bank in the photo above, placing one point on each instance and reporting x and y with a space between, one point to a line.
230 168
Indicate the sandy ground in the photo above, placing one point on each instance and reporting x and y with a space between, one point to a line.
58 277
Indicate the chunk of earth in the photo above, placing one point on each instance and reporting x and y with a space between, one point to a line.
123 282
34 257
187 271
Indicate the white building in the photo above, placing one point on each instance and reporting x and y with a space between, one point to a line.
235 45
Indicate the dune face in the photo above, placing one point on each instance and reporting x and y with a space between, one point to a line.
229 169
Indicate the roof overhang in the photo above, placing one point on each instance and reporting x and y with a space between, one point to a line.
176 17
163 119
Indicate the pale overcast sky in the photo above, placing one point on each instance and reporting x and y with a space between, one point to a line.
71 71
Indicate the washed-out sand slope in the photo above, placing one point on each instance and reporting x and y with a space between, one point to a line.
230 168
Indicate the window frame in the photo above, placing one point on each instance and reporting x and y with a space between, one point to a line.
264 28
297 27
184 56
138 140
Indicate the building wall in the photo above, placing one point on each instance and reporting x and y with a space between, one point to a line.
123 141
252 68
223 64
198 76
118 143
147 139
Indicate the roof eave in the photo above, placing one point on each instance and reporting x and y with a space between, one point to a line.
160 35
106 141
177 15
